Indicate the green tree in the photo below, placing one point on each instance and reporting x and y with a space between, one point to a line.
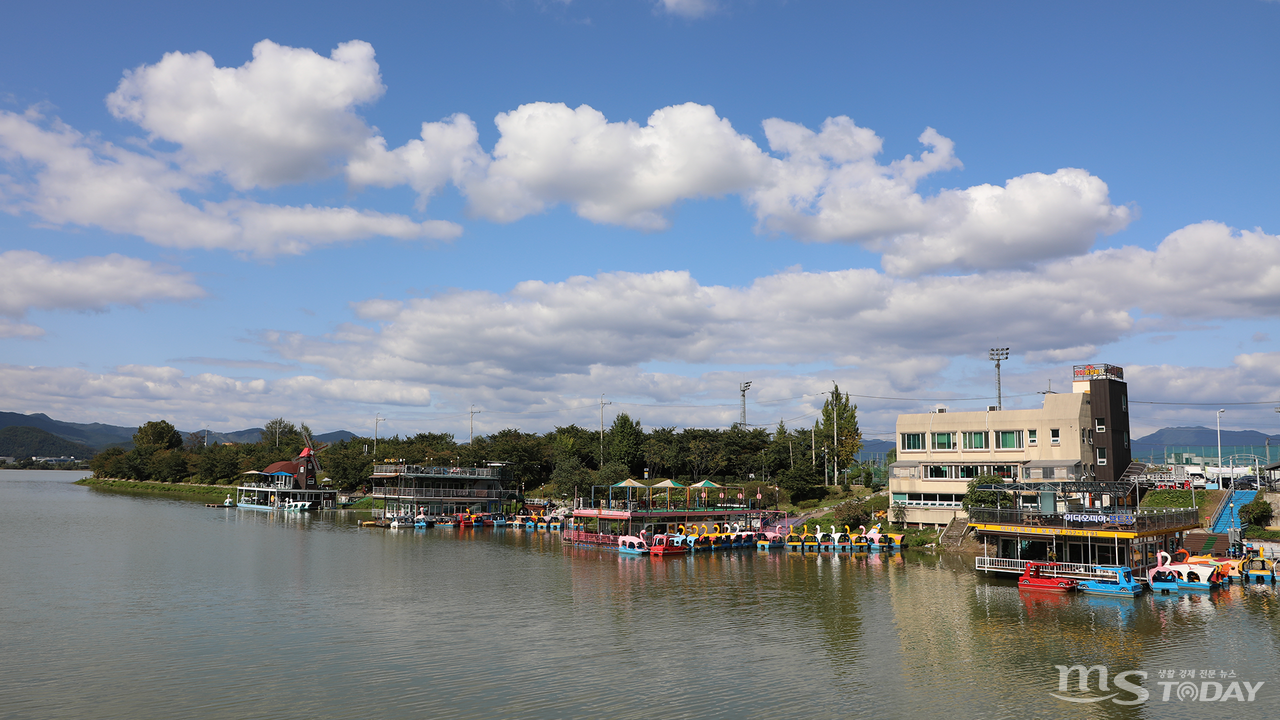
159 434
662 451
625 443
613 473
219 463
280 433
526 454
109 463
703 455
974 497
801 482
838 428
169 466
742 450
347 464
570 478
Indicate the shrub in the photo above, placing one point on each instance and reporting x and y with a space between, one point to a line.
1257 513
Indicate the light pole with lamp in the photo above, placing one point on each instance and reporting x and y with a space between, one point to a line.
377 418
1219 450
998 354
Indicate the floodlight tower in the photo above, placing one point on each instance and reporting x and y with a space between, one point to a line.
743 388
998 354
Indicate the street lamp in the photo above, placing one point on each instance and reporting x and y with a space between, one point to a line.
998 354
377 418
1219 448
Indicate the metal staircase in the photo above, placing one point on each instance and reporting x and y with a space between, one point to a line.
1230 515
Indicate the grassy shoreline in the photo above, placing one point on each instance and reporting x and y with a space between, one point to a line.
204 493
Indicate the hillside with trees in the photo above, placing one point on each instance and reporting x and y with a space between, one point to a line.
28 442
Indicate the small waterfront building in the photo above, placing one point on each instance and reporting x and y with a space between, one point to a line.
288 481
442 490
1065 470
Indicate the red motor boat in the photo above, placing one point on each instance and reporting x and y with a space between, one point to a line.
1042 576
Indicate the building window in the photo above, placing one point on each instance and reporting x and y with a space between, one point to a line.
1054 437
1124 402
912 441
1009 440
1102 456
1126 439
968 471
944 441
939 471
1101 425
1031 438
974 440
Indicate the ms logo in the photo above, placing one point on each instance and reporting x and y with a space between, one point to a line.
1083 675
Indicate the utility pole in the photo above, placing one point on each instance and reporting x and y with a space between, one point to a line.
835 437
998 354
743 388
376 419
471 434
602 404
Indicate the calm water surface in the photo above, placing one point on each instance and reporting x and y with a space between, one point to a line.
118 606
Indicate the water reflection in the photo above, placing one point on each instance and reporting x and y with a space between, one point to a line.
157 608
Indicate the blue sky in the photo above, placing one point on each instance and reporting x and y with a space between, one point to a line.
223 214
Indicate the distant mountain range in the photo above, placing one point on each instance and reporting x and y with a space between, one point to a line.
1202 436
28 442
96 436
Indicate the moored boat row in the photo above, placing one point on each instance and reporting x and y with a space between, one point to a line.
818 541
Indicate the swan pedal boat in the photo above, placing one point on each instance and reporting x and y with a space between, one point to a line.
768 540
1175 577
632 545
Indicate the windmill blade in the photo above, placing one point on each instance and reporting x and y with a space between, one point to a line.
315 457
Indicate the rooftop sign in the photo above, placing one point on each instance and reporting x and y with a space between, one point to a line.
1100 371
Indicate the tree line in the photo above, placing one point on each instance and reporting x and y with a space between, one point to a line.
569 459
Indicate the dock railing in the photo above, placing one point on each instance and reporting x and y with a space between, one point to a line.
438 471
1121 519
1017 567
421 493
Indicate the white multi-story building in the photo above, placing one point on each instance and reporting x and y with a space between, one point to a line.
940 452
1082 435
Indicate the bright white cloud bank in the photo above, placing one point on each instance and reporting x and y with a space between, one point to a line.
291 115
559 334
554 347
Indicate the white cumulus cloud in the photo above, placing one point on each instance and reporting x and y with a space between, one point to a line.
64 177
611 172
35 281
283 117
829 186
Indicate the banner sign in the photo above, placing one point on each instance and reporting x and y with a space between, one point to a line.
1099 518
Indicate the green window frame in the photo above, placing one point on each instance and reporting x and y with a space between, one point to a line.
944 441
975 440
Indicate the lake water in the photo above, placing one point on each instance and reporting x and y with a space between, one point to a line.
119 606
